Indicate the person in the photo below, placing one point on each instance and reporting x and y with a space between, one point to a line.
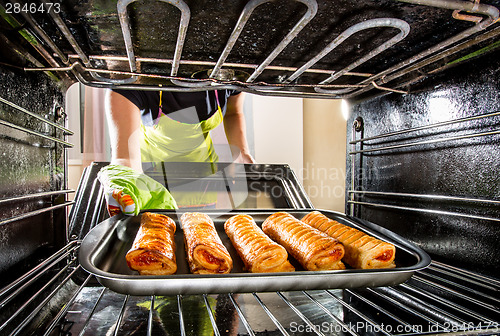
158 126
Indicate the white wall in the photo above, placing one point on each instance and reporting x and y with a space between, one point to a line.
325 153
75 162
278 131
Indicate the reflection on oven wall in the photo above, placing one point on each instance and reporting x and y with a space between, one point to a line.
307 134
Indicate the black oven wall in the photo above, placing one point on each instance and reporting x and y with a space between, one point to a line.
32 165
463 231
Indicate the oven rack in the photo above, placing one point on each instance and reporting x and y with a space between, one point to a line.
80 65
377 145
46 121
28 297
439 299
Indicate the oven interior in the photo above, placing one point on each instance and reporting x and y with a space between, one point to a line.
422 78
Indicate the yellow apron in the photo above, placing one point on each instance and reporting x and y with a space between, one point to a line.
169 140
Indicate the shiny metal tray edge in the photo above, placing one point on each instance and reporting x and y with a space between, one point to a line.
98 242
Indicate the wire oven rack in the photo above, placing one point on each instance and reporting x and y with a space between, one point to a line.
439 299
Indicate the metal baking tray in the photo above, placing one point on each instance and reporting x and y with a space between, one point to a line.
103 251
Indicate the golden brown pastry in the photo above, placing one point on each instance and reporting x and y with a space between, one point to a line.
259 253
205 252
153 249
361 250
315 250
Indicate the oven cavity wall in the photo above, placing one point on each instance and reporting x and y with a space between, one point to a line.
438 184
32 166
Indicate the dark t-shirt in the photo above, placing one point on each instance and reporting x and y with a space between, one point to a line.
203 102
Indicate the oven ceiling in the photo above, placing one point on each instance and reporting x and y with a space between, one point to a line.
289 48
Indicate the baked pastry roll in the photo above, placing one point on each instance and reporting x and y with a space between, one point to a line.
153 249
259 253
315 250
204 249
361 250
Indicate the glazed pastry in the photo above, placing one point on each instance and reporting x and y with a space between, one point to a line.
315 250
259 253
153 249
361 250
204 250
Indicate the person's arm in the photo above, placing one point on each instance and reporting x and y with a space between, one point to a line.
126 188
234 126
124 120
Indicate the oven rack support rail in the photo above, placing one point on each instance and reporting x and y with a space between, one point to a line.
80 65
355 194
54 140
439 299
46 121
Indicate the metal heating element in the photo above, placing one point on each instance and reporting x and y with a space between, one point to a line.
290 82
440 299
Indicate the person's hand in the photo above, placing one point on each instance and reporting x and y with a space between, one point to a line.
129 191
245 157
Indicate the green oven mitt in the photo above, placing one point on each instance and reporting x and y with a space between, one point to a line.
129 191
